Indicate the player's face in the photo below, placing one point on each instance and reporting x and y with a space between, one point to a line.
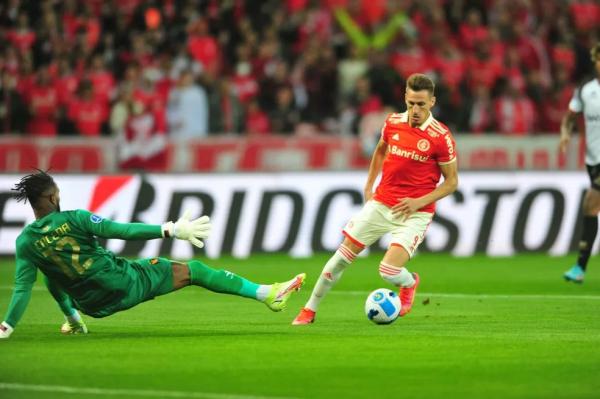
418 104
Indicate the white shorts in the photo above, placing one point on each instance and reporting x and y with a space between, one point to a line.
376 219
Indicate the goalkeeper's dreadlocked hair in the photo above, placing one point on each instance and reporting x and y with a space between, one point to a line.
33 186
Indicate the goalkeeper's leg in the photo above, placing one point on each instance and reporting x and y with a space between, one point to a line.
275 296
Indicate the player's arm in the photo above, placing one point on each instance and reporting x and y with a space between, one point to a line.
406 206
567 128
25 276
375 168
184 229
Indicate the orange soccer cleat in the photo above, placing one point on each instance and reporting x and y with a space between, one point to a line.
407 295
306 316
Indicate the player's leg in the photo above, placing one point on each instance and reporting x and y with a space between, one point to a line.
275 296
74 324
332 272
591 207
393 270
406 238
362 230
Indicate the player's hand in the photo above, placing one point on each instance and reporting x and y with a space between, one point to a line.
193 231
564 142
406 207
5 330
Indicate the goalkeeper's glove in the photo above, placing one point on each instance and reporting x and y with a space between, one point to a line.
5 330
193 231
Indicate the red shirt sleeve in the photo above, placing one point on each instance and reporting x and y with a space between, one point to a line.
446 151
385 130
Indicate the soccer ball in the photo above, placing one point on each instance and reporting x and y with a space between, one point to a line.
382 306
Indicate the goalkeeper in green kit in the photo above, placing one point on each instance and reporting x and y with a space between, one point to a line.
82 275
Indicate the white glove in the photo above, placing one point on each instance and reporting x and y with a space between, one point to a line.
5 330
193 231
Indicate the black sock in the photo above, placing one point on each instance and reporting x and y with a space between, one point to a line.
588 236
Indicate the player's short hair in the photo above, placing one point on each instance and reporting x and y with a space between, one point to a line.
418 82
595 52
32 187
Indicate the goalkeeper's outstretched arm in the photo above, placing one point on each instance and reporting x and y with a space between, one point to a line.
193 231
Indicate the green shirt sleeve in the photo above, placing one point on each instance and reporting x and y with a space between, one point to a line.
25 276
106 228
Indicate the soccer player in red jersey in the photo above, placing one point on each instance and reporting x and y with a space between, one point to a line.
414 151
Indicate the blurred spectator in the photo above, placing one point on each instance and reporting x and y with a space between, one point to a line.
284 115
257 121
13 112
350 69
87 112
515 112
143 144
226 110
22 36
481 116
187 109
202 46
121 110
472 30
42 100
66 82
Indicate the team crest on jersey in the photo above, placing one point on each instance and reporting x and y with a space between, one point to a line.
423 145
153 261
46 229
95 218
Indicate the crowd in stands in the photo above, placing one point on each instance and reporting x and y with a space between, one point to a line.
189 68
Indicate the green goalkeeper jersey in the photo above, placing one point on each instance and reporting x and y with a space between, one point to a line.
64 246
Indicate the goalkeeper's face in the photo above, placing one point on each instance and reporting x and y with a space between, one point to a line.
418 104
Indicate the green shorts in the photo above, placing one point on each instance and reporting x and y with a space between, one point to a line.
144 280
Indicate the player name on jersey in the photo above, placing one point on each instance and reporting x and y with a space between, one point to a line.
55 235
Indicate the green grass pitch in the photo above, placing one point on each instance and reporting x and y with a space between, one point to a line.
481 328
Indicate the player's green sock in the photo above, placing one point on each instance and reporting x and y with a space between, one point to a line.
225 282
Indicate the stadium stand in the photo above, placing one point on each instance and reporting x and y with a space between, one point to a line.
132 69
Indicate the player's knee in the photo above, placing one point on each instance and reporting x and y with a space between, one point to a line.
351 246
181 275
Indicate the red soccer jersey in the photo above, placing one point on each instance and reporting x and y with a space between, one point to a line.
88 116
411 167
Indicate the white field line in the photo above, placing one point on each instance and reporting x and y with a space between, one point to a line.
9 386
432 294
484 296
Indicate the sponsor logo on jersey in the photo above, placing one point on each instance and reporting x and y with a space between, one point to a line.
153 261
423 145
95 218
396 137
414 155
